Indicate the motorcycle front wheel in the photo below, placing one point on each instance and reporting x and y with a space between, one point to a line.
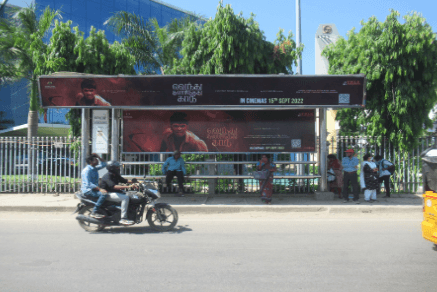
164 218
90 227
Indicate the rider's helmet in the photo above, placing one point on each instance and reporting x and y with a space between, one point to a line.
113 166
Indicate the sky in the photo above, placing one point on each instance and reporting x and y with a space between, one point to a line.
275 14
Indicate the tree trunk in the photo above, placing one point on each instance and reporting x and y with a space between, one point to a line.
32 132
32 127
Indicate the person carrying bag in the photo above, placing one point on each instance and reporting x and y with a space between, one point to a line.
386 169
264 173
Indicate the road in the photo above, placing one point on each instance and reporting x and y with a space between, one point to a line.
228 252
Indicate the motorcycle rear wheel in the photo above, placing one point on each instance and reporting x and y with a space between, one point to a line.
90 227
169 218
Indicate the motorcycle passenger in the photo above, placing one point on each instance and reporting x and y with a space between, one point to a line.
110 183
90 181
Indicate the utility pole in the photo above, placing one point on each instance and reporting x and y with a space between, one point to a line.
298 36
299 156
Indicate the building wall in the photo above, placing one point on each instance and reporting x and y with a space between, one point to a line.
324 37
83 13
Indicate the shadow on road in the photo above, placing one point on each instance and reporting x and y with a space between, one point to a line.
141 230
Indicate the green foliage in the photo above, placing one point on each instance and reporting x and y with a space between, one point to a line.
231 44
399 61
74 119
69 51
21 44
153 47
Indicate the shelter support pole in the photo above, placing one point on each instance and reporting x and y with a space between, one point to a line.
115 134
85 135
211 171
323 150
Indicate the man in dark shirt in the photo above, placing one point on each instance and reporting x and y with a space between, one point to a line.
177 137
110 183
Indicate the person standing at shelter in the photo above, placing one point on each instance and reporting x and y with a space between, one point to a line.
175 166
368 178
384 174
350 165
267 191
90 182
335 165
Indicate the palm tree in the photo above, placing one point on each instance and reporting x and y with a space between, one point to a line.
155 48
21 44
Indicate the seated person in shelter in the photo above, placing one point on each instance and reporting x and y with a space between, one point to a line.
175 166
110 183
88 96
90 181
177 137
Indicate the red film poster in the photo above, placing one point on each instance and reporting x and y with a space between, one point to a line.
246 91
219 131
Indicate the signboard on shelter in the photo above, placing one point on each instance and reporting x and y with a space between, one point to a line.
100 131
219 131
206 91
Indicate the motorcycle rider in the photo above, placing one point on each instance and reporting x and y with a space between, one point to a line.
90 180
110 183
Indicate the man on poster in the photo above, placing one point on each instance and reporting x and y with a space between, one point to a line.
177 137
88 96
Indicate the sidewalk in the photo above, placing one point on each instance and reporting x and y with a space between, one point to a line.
199 204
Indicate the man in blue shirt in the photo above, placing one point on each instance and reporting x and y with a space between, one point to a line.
350 166
175 166
90 182
384 174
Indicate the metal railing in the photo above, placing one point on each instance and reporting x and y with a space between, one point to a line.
227 173
56 165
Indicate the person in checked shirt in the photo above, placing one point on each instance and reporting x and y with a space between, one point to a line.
350 165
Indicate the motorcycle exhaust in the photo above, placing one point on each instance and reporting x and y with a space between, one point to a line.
88 219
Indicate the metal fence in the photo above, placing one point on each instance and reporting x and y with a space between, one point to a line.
408 175
57 165
58 168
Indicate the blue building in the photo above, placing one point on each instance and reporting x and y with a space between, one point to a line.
83 13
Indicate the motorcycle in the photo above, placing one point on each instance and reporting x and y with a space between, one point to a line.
160 216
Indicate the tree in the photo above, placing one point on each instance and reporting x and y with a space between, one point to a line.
69 51
399 61
153 47
21 41
232 44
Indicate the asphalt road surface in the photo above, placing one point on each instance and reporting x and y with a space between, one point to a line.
234 252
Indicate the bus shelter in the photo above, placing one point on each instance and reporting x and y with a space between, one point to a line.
228 120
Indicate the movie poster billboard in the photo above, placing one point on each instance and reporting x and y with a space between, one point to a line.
207 91
219 131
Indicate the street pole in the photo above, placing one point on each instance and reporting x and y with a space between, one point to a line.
298 36
299 156
85 135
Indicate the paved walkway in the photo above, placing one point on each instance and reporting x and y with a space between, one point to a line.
224 203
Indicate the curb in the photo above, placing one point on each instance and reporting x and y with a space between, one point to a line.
224 209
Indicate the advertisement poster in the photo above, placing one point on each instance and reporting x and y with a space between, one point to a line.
175 91
219 131
100 131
